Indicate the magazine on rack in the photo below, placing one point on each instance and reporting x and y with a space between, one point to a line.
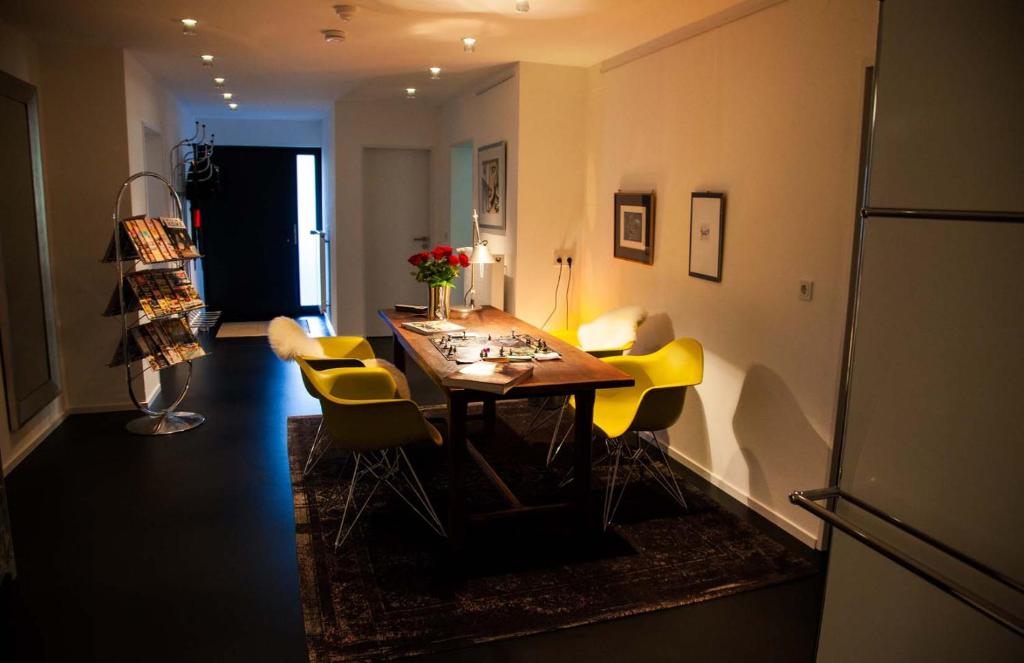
153 240
157 293
161 343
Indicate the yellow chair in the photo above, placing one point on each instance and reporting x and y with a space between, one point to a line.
334 352
362 416
609 335
654 403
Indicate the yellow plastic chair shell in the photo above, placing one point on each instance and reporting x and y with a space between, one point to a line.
656 400
361 413
336 352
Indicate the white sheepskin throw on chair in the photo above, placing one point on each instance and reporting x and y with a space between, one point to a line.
612 329
289 340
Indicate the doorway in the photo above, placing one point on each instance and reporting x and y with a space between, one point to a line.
460 210
259 238
396 217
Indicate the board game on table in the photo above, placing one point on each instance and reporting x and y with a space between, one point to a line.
467 346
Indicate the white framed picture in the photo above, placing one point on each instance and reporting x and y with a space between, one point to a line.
493 197
707 235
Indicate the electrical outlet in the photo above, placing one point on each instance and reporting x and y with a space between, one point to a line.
806 290
563 257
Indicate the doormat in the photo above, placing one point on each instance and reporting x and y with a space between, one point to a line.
242 329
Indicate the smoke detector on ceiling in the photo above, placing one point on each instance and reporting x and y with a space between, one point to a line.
333 36
345 12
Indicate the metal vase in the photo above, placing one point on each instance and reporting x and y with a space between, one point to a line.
440 303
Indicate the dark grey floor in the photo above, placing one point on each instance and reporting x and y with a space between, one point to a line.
182 548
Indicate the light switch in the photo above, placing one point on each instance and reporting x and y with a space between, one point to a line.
806 290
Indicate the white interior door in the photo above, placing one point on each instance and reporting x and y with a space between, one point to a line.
396 214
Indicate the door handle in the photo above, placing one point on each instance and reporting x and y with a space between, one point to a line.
421 239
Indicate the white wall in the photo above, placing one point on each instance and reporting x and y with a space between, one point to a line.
766 109
148 106
551 197
85 147
19 56
485 114
265 133
358 125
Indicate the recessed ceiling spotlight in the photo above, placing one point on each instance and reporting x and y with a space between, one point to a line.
188 26
219 81
228 95
522 6
233 106
410 93
469 44
345 12
207 60
332 36
435 73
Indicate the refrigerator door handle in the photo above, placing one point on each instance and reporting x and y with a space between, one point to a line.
808 500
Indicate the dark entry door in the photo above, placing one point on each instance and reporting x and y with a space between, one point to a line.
249 234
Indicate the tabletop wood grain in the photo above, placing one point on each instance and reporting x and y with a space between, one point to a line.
575 371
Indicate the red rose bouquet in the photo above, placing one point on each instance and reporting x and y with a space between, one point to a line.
439 267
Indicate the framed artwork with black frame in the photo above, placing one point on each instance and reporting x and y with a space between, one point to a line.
634 227
707 235
493 194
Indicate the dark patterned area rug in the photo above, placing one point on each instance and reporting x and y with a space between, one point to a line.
394 589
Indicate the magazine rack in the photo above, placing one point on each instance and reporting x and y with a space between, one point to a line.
156 421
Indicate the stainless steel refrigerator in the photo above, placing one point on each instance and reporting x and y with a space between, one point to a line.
926 560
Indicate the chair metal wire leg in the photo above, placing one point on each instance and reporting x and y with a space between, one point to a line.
540 410
344 532
389 469
613 502
321 443
664 475
552 449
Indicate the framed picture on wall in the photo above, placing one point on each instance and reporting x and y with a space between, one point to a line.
707 235
493 197
634 227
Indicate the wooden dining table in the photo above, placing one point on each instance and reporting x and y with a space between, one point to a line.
576 374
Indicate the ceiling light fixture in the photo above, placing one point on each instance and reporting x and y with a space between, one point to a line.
345 12
435 73
522 6
233 106
410 93
468 44
188 26
228 95
333 36
219 81
207 60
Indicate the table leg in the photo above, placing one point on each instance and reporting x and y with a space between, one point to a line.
581 451
490 416
457 405
397 353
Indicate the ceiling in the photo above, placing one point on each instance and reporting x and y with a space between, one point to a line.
277 64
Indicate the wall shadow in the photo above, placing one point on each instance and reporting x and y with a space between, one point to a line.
691 435
776 440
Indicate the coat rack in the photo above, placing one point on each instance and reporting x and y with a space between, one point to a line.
156 421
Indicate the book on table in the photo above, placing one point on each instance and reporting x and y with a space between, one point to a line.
493 377
433 327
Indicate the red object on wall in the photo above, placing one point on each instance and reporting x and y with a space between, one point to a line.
197 219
